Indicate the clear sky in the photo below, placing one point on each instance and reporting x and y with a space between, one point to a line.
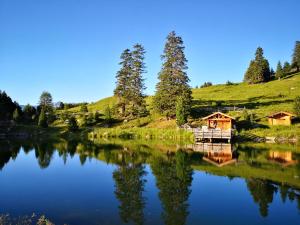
71 48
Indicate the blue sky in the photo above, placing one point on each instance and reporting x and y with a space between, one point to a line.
71 47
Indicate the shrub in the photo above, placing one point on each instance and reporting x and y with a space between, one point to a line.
297 106
72 125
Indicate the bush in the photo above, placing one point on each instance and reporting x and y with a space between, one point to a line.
43 119
72 125
83 109
297 106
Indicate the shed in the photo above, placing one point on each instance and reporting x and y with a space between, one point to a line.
219 120
281 118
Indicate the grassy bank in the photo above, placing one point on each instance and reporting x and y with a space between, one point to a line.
141 133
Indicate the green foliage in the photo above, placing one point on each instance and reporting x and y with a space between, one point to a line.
286 68
296 56
83 108
181 114
72 124
29 113
46 101
130 83
107 114
258 70
65 115
246 115
97 117
46 104
228 83
206 84
43 119
279 72
17 115
297 106
7 106
173 80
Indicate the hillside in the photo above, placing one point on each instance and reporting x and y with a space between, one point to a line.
259 99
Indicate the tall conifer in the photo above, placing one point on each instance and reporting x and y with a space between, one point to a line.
173 79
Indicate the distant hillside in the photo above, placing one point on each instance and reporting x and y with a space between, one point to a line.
263 98
259 99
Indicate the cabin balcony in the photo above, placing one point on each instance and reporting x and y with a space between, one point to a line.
210 134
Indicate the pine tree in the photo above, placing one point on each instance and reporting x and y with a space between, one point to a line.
296 56
173 79
258 70
46 104
137 85
279 72
122 90
181 115
286 68
43 119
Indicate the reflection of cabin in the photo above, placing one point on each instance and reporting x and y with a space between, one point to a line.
219 126
219 154
281 118
284 158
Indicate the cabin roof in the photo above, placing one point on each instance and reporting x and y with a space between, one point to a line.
217 113
281 113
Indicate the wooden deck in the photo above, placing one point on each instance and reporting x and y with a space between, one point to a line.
211 147
210 134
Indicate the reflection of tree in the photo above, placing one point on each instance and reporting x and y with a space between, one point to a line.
129 183
8 151
283 192
44 152
173 179
262 192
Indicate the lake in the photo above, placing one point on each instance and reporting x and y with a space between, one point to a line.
136 182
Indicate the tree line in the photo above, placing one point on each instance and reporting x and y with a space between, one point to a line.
259 69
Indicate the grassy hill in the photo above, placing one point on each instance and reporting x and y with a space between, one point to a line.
258 99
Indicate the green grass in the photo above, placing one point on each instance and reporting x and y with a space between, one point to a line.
259 99
141 133
262 99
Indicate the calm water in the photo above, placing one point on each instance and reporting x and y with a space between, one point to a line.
127 182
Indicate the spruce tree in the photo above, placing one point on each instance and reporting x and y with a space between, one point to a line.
296 57
173 79
122 90
258 70
279 72
46 104
137 88
43 119
286 68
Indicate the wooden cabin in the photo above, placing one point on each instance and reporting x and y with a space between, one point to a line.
219 126
281 118
219 120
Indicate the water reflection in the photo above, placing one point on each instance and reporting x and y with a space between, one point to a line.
129 187
173 179
173 168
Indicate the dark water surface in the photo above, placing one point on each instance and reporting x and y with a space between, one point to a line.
127 182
